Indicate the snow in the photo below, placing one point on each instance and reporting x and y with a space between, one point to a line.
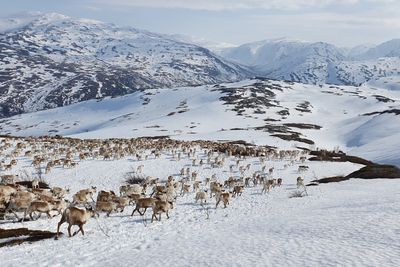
351 223
387 49
191 113
389 83
17 21
319 62
374 133
215 47
59 60
348 223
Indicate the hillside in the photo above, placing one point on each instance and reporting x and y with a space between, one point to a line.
387 49
264 112
318 63
51 60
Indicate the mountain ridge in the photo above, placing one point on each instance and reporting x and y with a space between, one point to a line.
54 60
51 60
318 62
258 111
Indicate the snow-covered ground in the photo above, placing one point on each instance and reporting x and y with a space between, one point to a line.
349 223
390 83
191 113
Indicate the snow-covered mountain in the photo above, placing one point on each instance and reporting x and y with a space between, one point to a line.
357 72
216 47
355 52
318 63
263 112
387 49
50 60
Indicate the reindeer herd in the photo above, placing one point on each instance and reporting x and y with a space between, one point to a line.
147 193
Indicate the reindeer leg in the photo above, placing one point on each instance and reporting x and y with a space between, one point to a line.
69 230
59 225
145 209
134 211
15 214
141 213
81 229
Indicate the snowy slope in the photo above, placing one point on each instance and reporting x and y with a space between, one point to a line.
387 49
336 224
50 60
390 83
318 63
285 59
258 111
215 47
354 52
358 72
17 21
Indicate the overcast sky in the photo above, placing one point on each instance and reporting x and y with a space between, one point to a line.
342 22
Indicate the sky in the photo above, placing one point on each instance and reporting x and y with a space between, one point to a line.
344 23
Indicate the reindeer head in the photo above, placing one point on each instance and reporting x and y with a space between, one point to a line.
92 211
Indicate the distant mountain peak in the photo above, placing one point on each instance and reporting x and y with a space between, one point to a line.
317 62
50 60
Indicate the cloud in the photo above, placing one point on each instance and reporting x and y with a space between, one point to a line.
218 5
332 20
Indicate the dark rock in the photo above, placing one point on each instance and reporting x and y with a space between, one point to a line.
376 171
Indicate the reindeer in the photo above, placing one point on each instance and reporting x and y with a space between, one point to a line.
106 206
59 205
35 184
105 196
16 205
121 202
196 186
237 190
83 196
215 188
224 197
185 189
202 196
144 203
40 207
139 169
160 207
75 216
8 179
302 168
59 192
300 182
267 186
7 190
247 181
